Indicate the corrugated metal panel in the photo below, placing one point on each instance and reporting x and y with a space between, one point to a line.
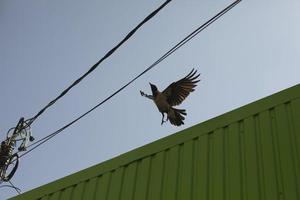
252 153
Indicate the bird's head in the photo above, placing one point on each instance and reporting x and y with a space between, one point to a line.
153 88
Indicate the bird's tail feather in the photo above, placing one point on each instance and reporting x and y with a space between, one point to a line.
176 116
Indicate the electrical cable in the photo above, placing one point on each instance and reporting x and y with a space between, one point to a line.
172 50
11 185
18 190
109 53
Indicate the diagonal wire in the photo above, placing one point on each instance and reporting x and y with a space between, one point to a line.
109 53
172 50
18 190
11 185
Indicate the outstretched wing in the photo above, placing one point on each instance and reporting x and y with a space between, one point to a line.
178 91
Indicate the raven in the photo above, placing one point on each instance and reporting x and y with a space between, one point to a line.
173 95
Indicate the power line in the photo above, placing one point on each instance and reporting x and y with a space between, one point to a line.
11 185
18 190
172 50
109 53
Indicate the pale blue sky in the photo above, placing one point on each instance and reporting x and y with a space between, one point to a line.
252 52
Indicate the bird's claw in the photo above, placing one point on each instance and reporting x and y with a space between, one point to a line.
142 93
163 121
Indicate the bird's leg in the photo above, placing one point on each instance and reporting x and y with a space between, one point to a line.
162 120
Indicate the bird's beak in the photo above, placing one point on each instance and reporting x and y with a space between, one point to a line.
150 84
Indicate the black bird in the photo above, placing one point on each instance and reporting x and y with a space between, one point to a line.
173 95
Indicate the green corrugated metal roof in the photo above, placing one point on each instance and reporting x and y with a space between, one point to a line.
250 153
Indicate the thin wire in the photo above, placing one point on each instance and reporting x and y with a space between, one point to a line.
109 53
172 50
18 190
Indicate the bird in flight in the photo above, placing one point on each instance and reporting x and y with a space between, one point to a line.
173 95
